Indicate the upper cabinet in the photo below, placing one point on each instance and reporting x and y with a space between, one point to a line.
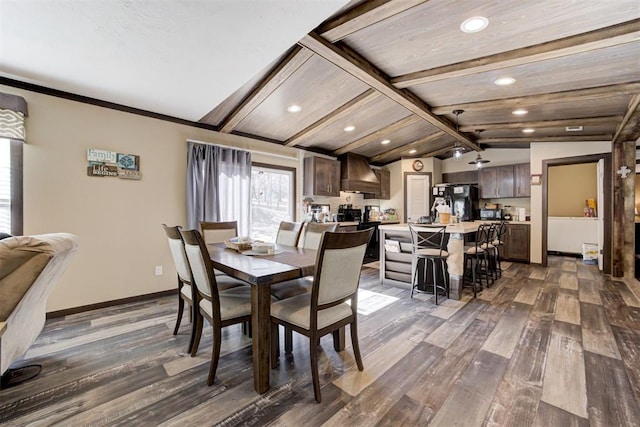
321 177
522 180
504 182
384 177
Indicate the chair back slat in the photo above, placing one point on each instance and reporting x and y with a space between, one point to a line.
218 232
289 233
338 266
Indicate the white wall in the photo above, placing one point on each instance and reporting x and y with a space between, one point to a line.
555 150
118 221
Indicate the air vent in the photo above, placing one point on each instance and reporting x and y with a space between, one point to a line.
573 128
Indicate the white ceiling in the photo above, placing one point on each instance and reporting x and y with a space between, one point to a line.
174 57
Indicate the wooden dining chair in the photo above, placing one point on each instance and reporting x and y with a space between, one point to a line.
312 234
221 308
289 233
218 232
185 290
309 239
333 301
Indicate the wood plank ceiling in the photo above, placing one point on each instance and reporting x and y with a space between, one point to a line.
396 70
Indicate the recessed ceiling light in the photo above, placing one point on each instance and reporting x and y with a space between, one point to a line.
294 108
573 128
349 128
528 130
505 81
413 151
474 24
519 112
385 141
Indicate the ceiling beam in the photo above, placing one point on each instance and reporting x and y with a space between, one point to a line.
343 111
629 127
280 73
378 135
365 14
545 98
588 121
352 63
615 35
437 152
405 148
570 138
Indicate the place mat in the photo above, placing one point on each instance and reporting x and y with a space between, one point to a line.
254 253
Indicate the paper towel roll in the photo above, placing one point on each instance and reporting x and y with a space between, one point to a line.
521 215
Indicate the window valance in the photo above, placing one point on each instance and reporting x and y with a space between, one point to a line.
13 110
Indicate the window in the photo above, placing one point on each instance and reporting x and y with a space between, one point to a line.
272 199
10 186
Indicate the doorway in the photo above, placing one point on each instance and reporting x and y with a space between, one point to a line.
605 202
417 195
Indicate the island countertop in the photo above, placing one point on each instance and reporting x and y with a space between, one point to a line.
461 227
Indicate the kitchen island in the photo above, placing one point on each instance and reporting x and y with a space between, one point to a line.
397 264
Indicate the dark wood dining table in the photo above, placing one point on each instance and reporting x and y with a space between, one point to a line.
261 271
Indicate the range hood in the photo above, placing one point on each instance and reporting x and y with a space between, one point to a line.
356 175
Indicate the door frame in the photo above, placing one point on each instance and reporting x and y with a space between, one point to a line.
404 185
606 209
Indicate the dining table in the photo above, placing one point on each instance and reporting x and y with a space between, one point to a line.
261 271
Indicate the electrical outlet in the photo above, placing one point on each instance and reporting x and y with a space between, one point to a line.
158 270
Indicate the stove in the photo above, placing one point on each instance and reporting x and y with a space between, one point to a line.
373 248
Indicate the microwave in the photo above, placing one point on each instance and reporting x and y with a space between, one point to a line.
490 214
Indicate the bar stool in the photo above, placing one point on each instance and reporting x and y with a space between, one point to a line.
497 241
476 260
429 247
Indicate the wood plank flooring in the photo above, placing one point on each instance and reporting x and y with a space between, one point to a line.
554 346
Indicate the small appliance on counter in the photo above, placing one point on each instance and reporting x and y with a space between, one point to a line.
371 213
348 213
490 211
320 213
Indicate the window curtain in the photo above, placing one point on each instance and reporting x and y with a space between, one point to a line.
218 185
13 110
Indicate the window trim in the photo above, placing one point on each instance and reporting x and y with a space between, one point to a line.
17 212
294 172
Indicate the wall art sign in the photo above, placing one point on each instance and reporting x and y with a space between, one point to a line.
111 164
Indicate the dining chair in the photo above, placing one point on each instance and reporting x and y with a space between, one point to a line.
288 233
218 232
221 308
333 301
429 250
312 234
309 239
185 290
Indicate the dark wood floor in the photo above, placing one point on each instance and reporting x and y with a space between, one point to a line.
548 347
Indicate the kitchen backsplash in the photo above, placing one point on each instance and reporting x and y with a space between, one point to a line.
356 199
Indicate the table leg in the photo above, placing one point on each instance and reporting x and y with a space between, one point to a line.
260 320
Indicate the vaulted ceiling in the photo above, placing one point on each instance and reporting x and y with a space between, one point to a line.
396 70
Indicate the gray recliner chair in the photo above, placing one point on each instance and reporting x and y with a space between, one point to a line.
30 266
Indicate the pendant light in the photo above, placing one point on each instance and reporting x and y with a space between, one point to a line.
479 161
457 149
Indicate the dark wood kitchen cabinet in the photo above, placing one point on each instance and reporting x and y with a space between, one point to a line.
516 243
384 177
321 177
504 181
522 180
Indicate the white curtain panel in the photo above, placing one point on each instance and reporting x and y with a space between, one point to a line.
218 185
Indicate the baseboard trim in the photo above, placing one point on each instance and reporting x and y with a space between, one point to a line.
104 304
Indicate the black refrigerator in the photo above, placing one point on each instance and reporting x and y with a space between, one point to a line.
465 203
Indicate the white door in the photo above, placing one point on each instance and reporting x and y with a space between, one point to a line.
417 187
600 211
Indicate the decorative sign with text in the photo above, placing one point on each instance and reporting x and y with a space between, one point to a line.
112 164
